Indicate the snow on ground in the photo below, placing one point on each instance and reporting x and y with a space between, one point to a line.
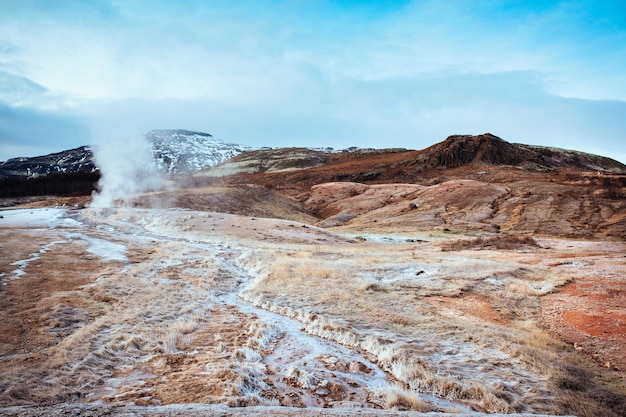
106 249
23 263
35 217
55 218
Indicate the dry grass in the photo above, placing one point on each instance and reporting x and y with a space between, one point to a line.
302 378
373 302
167 325
499 242
398 398
141 316
583 391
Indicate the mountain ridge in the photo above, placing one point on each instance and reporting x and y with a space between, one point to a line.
175 151
182 151
478 183
69 161
456 151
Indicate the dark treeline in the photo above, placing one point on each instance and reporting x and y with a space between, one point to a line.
59 184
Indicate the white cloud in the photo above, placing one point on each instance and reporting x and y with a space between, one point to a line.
311 73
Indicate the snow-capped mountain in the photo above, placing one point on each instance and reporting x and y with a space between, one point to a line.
181 151
174 152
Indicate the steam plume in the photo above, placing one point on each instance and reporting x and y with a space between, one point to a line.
128 168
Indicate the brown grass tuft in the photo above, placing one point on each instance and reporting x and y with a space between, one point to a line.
398 398
506 242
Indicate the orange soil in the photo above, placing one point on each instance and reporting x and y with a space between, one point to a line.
471 306
590 313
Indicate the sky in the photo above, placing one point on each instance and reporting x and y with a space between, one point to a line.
313 73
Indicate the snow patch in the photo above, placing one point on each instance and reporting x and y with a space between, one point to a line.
27 218
22 264
105 249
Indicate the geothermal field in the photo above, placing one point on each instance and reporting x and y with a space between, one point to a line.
147 311
304 282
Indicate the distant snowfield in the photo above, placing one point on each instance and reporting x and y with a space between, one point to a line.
184 307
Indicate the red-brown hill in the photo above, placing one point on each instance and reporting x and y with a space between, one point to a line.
540 190
459 156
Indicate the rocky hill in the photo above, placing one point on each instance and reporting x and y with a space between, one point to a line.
183 151
70 161
480 184
488 149
389 165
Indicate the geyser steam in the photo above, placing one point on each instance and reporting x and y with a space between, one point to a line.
127 167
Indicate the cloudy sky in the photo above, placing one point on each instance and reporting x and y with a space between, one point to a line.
313 72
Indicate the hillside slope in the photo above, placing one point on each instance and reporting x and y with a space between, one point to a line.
69 161
465 183
473 153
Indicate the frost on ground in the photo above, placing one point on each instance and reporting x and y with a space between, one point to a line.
117 306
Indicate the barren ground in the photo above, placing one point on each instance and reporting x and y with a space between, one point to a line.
133 311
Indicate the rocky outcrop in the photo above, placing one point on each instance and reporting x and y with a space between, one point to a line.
487 149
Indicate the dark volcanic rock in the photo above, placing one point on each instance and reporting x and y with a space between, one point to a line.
460 150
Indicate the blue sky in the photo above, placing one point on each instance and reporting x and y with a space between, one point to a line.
313 73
